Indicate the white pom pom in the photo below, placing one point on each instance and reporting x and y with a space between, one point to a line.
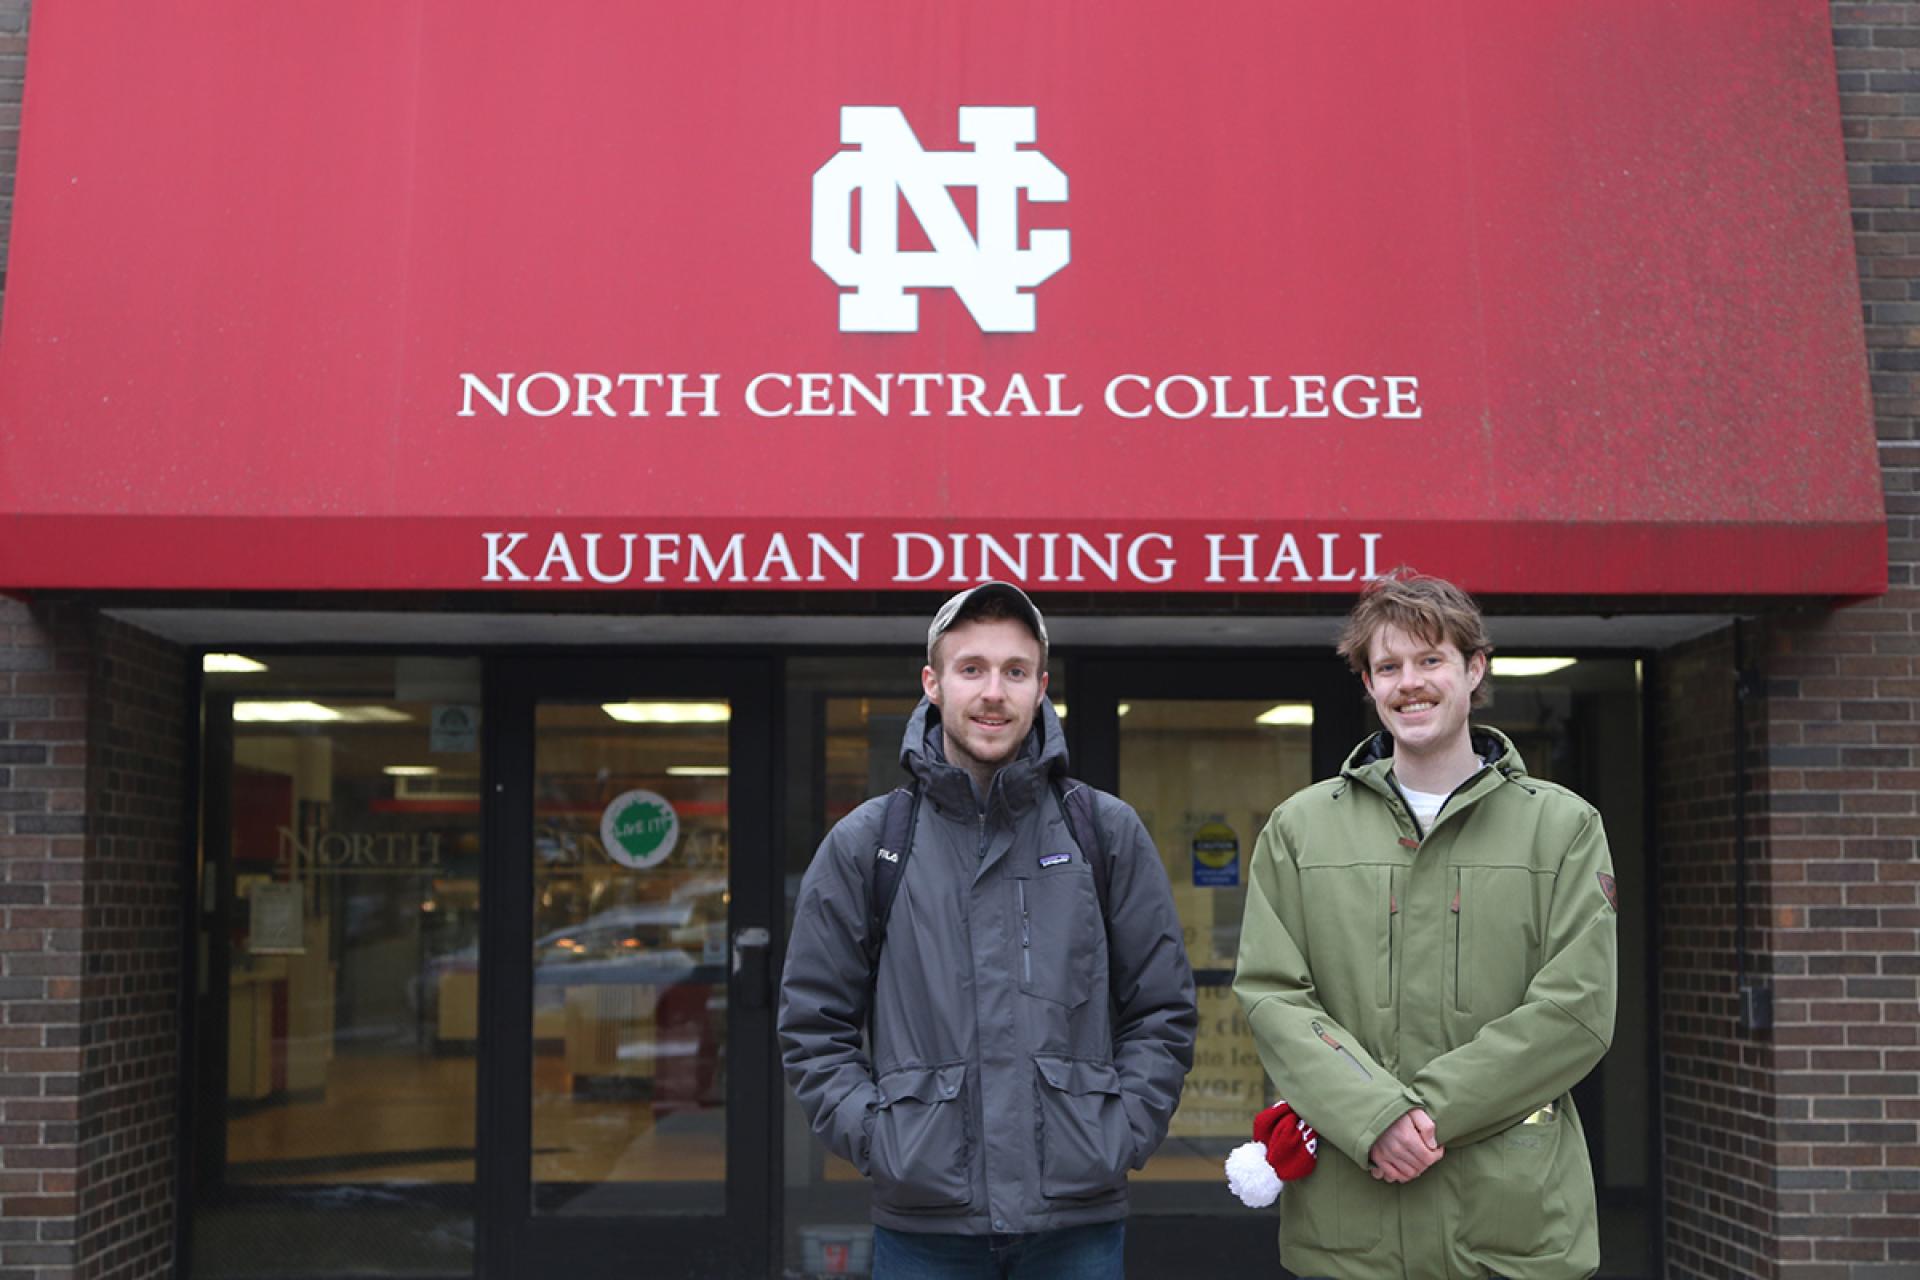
1250 1177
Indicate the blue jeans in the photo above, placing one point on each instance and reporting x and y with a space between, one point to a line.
1094 1252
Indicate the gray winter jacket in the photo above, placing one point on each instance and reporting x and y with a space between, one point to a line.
1017 1069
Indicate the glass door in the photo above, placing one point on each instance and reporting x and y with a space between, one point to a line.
336 948
1203 751
628 1093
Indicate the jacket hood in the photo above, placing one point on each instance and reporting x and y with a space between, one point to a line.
1370 761
923 755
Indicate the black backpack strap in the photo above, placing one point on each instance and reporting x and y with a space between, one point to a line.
889 864
1076 801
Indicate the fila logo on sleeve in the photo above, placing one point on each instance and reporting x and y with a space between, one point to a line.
988 272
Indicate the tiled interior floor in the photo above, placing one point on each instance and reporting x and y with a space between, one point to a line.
411 1119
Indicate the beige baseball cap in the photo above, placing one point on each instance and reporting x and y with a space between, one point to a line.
950 614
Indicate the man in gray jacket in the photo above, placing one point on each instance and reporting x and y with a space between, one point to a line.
1023 1047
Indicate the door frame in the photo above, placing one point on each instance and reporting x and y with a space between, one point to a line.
511 1241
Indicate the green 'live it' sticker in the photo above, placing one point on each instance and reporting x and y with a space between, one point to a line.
639 829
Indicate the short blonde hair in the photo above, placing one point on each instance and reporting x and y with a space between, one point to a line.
1431 608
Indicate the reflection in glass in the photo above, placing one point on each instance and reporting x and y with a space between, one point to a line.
630 864
1204 775
339 919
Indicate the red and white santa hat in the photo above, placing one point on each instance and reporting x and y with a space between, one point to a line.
1284 1149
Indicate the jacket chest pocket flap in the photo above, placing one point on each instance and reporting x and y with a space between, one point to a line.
1353 928
1497 914
1059 933
922 1148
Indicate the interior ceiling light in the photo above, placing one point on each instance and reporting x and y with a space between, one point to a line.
1060 708
1287 713
300 711
1524 667
229 664
411 770
696 771
668 712
288 712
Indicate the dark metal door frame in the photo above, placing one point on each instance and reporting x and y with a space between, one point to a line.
512 1243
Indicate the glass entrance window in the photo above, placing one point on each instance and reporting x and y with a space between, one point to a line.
338 917
630 905
1203 774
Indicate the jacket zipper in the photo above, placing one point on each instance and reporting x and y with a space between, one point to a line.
1383 980
1407 808
1341 1050
1459 942
1026 935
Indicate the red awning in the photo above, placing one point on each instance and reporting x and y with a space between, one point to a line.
370 295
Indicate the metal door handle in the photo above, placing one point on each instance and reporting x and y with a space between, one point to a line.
750 966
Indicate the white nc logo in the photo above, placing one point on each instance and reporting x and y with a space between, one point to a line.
987 273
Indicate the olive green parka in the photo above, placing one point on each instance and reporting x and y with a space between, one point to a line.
1468 969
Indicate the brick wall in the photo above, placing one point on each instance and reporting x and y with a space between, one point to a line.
13 74
1841 773
1718 1083
1840 779
136 811
43 729
91 810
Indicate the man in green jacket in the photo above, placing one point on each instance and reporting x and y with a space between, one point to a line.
1427 966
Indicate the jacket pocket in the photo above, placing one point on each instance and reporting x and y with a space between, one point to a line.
1061 936
1086 1142
1339 1209
1348 932
1513 1189
921 1155
1496 938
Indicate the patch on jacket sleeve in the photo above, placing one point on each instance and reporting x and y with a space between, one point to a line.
1055 859
1608 887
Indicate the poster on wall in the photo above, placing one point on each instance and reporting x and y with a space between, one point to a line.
1216 856
455 728
275 910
